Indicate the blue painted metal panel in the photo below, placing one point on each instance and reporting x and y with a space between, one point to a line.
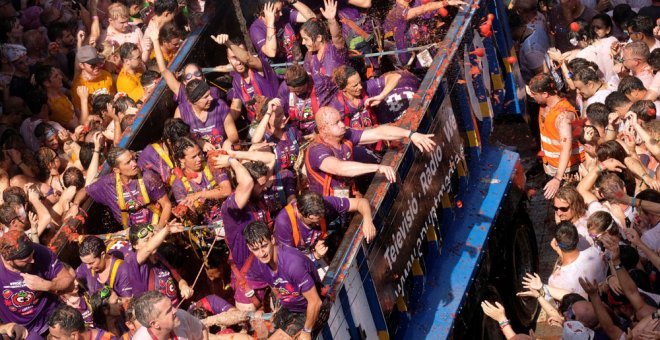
450 279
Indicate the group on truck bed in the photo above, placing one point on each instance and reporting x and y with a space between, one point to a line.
259 181
592 81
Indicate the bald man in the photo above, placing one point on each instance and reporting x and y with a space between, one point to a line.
329 159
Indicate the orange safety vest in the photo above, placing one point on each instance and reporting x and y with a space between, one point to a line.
294 225
551 141
325 179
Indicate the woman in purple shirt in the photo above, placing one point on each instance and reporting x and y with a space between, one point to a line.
209 120
196 185
157 156
273 34
274 128
326 48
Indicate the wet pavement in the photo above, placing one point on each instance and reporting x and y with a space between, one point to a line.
514 132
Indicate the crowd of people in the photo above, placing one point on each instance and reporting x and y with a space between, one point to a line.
592 81
271 170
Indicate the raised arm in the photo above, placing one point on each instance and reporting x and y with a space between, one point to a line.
304 13
260 130
604 318
241 53
415 12
245 183
270 46
170 79
391 81
155 241
329 12
362 206
390 132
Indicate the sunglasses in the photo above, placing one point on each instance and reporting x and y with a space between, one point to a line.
142 233
189 76
562 209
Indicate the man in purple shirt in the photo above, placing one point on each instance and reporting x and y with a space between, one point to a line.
329 160
243 206
99 269
292 277
132 196
273 34
252 76
303 224
156 156
302 95
30 277
323 56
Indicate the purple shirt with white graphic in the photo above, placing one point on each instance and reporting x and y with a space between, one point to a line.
266 82
318 151
149 276
334 207
301 109
121 285
23 305
104 191
214 304
295 275
286 147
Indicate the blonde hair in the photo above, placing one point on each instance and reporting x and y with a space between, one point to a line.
110 48
117 11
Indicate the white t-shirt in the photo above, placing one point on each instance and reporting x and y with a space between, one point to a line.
599 52
652 239
190 328
589 264
599 96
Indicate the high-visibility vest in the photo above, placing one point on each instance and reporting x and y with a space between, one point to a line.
551 141
323 178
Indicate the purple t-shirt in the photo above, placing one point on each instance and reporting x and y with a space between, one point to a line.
121 285
330 60
213 129
288 47
334 207
286 147
86 310
266 83
318 151
104 191
359 17
295 275
149 159
209 208
214 304
119 248
23 305
284 185
301 110
397 102
148 276
235 220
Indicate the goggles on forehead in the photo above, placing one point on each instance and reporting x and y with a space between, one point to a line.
142 233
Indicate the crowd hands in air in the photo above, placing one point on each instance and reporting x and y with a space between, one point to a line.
270 171
592 81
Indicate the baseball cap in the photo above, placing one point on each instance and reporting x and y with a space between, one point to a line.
13 52
89 55
15 245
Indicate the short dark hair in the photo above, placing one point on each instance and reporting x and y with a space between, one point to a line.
649 195
257 169
85 154
14 195
162 6
68 318
580 63
311 203
100 103
73 176
645 110
114 154
126 50
56 30
144 307
123 103
341 74
630 83
586 74
174 129
566 236
654 59
168 32
148 77
611 149
7 214
180 147
615 100
641 24
133 232
256 232
598 114
91 245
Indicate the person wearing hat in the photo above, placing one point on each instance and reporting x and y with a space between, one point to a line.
31 275
92 75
